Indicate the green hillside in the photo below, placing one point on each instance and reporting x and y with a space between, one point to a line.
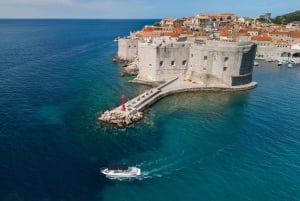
287 18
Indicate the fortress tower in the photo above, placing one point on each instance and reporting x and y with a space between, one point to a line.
213 63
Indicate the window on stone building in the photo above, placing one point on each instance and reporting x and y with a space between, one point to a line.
205 57
161 63
226 59
173 63
184 62
224 68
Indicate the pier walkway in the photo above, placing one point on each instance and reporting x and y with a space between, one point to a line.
135 107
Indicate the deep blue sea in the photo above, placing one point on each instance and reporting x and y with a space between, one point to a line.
57 75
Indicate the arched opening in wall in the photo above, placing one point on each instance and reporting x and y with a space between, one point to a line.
226 59
296 55
173 63
285 54
184 62
205 58
161 63
224 68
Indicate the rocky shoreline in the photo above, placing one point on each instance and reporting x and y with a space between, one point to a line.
128 67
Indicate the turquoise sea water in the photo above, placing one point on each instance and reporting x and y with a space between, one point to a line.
57 75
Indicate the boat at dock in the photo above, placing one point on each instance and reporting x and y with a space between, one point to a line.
121 171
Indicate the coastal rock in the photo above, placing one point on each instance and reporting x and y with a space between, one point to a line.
120 118
131 69
137 117
128 121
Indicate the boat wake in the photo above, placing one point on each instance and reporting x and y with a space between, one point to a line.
160 168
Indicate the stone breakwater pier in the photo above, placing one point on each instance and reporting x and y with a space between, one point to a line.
133 111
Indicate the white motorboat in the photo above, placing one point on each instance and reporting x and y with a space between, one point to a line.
121 171
292 63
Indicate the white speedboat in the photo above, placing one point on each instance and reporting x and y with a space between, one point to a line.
121 171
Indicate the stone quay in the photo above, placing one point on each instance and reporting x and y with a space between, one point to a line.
133 111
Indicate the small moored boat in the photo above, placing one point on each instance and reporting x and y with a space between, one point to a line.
116 39
121 171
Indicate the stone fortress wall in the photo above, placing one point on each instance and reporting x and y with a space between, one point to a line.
209 62
223 63
160 61
277 53
127 48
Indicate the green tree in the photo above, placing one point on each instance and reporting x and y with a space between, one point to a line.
157 24
287 18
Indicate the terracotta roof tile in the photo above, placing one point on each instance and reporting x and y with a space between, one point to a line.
148 29
295 34
178 28
171 34
261 38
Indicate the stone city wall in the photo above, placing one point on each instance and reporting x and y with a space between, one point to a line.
209 62
216 61
213 62
162 62
127 49
276 53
